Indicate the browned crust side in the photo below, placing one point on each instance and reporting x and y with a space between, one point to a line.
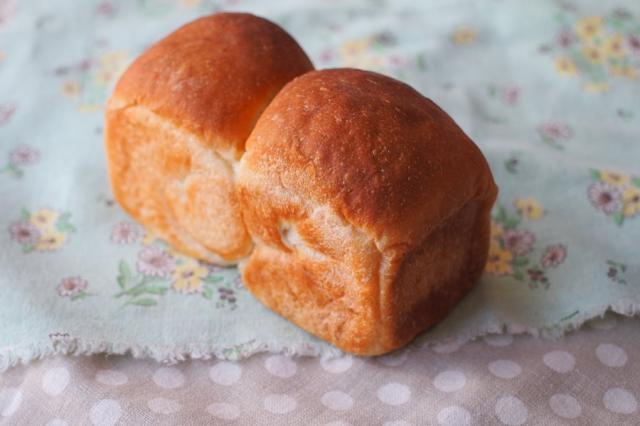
406 197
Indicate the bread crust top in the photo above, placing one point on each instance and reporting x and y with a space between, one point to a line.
214 76
381 155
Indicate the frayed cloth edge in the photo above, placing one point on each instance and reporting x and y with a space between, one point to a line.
63 344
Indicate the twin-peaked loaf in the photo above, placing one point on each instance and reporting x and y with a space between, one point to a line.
356 207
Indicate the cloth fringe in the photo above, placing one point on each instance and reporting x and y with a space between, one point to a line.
63 344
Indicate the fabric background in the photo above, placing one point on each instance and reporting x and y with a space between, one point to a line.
591 377
548 90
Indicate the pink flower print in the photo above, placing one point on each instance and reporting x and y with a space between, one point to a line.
72 286
6 111
554 256
511 95
124 233
326 55
106 9
555 131
566 38
7 7
155 262
634 44
518 241
397 61
605 197
24 233
23 156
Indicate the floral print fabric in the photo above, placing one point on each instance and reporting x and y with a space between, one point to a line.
548 90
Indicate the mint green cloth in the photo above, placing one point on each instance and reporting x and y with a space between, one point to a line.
548 90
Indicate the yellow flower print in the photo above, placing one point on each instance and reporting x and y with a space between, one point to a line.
50 240
496 230
614 178
463 35
149 238
89 107
614 46
596 87
189 3
354 47
624 71
499 260
44 219
589 27
566 66
631 201
70 88
593 54
112 64
529 207
187 277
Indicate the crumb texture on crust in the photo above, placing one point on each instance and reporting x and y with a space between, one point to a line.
174 186
177 123
366 198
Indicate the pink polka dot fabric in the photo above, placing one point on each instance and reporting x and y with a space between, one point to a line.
591 377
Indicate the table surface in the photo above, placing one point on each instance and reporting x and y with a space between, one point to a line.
590 377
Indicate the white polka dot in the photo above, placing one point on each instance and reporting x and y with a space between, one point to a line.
10 400
606 323
393 360
281 366
559 361
223 410
454 416
168 377
620 401
511 411
57 422
396 423
611 355
337 365
225 373
55 380
394 393
337 423
498 339
163 405
505 369
111 377
279 404
450 381
565 406
105 412
337 400
447 347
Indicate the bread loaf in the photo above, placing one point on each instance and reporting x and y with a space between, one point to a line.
369 208
177 123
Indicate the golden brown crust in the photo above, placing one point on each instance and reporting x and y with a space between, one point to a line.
387 159
354 178
177 122
214 76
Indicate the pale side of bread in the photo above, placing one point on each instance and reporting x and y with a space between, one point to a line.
369 208
177 123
